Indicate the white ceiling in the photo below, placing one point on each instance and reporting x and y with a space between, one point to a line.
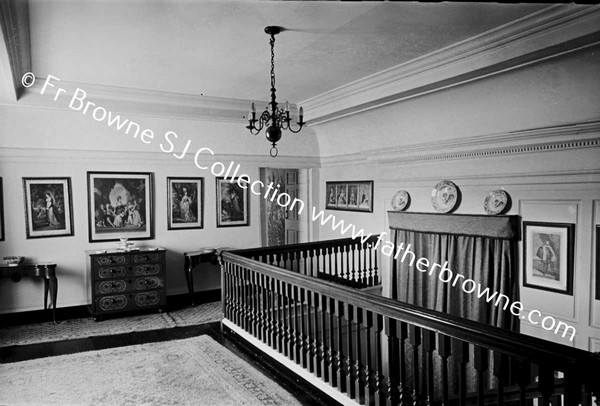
219 49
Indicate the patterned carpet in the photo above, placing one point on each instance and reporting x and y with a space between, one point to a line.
193 371
87 327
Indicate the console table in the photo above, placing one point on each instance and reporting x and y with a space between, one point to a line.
193 258
46 271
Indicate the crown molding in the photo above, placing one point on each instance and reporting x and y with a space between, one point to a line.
140 101
570 136
151 159
554 31
16 55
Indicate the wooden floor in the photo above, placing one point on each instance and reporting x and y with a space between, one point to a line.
303 391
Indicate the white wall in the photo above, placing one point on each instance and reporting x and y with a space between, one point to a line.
526 131
39 142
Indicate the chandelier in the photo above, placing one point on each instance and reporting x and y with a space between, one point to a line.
274 118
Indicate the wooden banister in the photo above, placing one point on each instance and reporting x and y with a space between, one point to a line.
337 332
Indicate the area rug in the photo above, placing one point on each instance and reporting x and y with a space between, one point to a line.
87 327
193 371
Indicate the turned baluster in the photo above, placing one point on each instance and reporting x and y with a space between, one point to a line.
358 380
522 370
378 360
445 350
264 309
337 270
461 355
428 348
323 338
272 313
501 373
339 344
317 335
350 353
480 363
545 384
331 358
310 332
368 367
414 338
285 319
393 365
302 336
295 324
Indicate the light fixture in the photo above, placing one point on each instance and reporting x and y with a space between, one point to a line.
274 118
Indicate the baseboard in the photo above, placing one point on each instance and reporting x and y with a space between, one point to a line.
289 366
174 302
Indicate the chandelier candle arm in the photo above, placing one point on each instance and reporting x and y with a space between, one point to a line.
277 119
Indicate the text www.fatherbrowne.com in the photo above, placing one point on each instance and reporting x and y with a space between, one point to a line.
446 275
79 102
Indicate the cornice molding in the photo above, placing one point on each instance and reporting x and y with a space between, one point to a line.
14 21
554 31
572 136
141 102
151 159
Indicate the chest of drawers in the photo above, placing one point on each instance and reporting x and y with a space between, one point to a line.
126 281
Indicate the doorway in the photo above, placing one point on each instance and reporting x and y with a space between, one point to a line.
279 225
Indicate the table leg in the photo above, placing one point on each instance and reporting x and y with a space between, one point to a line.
45 293
189 277
53 295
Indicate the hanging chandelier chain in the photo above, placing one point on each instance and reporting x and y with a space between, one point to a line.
272 42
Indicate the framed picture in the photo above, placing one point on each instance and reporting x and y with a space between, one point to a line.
185 203
1 212
233 205
598 262
120 206
48 208
349 196
548 256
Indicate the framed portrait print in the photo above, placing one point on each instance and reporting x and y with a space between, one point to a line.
48 209
349 196
185 199
1 212
233 205
598 262
548 256
120 206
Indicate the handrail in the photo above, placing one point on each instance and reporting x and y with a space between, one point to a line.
508 342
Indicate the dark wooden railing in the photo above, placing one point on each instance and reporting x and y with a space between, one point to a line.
346 261
380 351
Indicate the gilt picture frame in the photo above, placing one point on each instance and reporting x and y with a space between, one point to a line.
548 256
120 205
233 203
185 203
349 196
48 207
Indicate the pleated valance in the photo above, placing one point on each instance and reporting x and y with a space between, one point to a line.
503 227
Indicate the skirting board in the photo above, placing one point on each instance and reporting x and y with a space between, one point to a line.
297 369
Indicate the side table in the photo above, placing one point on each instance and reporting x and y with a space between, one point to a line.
47 271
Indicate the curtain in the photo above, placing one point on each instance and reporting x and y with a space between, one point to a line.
480 248
486 261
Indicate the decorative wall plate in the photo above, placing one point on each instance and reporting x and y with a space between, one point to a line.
400 200
444 197
495 202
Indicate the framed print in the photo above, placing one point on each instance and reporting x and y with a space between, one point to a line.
349 196
1 212
185 199
48 209
548 256
119 206
233 205
598 262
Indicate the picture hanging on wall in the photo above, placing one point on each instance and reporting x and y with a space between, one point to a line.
598 262
1 212
119 206
233 205
548 256
350 196
48 209
185 199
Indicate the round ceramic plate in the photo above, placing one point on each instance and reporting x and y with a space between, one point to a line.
495 202
400 200
444 196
